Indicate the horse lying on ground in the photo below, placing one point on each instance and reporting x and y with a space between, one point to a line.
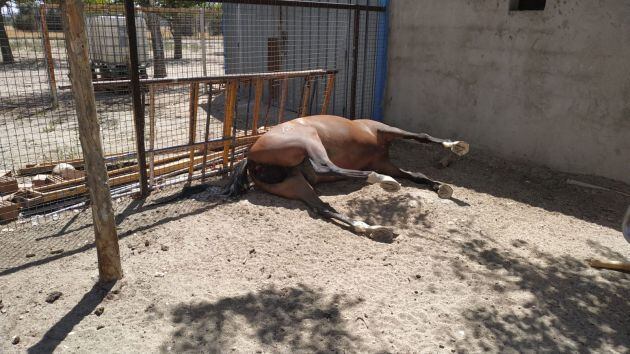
293 156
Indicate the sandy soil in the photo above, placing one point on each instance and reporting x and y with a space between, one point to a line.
500 269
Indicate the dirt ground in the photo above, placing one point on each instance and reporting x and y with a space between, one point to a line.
501 269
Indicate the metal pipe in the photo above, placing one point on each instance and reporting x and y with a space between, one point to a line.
355 63
217 79
311 4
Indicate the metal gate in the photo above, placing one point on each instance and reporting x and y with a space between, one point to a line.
192 81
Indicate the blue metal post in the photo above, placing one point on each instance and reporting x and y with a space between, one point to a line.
381 62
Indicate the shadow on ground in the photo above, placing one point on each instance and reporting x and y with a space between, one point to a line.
75 235
520 181
294 319
58 332
569 309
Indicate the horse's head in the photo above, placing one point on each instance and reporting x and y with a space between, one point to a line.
626 225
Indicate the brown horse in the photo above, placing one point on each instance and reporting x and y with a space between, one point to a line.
293 156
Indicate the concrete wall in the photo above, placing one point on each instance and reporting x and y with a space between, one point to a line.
551 87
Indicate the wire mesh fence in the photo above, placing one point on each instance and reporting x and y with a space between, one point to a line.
213 76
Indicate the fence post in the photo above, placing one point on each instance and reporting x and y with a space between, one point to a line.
192 131
355 64
202 24
381 62
89 133
50 63
138 107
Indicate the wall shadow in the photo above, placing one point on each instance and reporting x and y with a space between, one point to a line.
571 310
296 318
520 181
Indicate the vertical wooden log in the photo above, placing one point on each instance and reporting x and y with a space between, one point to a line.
152 134
306 94
283 99
89 133
258 93
192 134
50 63
230 106
330 85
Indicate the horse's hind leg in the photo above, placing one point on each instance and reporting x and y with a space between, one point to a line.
297 187
322 165
443 191
389 133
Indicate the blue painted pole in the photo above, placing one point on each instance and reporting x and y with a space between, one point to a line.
381 63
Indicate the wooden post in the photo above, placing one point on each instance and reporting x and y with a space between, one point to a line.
306 94
192 132
230 105
138 105
283 99
107 251
151 134
330 84
50 63
258 88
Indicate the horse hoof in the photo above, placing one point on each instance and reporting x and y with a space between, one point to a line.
382 234
445 191
459 148
386 182
390 186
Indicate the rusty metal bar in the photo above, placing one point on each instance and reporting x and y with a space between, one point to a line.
207 134
213 79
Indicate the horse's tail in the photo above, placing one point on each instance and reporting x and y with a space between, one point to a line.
239 181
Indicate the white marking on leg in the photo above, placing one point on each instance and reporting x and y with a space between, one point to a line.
387 183
375 232
460 148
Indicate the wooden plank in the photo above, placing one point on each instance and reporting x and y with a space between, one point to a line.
8 185
306 94
258 95
50 63
228 121
192 129
107 250
48 194
112 173
31 170
181 165
151 134
330 84
8 211
283 99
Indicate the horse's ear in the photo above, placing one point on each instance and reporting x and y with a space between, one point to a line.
625 226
